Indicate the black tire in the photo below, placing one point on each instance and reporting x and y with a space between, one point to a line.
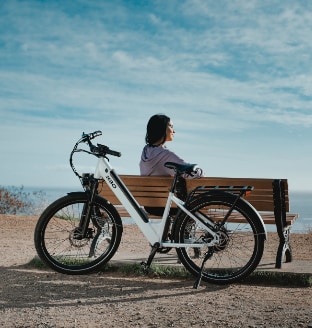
57 236
240 245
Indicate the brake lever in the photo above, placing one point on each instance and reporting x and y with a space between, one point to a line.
89 136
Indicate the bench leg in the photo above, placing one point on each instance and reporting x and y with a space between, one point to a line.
284 249
283 230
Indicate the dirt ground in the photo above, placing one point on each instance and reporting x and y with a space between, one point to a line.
43 298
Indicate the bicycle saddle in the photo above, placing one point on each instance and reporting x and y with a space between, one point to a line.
182 168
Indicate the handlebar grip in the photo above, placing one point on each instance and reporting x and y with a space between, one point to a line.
104 150
114 153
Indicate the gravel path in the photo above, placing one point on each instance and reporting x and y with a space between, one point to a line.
37 298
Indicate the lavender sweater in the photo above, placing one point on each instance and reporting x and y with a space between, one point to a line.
153 160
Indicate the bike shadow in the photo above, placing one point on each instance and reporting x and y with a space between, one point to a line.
26 287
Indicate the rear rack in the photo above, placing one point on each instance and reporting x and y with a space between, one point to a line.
236 190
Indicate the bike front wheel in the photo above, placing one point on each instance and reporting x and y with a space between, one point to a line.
240 239
61 243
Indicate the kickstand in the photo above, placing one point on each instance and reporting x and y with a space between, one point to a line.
146 265
200 274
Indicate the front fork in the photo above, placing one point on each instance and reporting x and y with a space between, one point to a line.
90 184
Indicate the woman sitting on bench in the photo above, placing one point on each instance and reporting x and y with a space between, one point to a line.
155 154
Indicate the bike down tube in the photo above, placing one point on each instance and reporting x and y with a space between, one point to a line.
105 171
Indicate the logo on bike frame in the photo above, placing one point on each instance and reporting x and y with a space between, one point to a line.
111 181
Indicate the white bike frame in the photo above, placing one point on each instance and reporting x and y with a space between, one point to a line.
152 229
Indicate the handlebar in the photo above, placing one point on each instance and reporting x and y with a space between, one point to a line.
98 150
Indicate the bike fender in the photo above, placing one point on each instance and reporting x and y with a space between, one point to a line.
76 193
83 193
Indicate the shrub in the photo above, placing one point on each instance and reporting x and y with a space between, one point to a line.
15 200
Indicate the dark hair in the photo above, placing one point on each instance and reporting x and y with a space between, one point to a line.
157 129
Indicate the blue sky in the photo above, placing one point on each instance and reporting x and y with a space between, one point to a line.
234 76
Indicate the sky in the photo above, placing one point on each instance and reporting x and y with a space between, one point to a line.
233 76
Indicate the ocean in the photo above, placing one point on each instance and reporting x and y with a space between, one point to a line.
300 202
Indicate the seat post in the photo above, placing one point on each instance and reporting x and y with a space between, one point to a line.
174 181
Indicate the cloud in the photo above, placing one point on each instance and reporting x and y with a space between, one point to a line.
220 70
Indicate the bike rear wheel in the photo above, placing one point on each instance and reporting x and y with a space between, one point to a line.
58 237
241 239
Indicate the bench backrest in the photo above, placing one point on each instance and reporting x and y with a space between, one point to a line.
153 190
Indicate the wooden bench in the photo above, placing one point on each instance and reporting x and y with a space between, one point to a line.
269 197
